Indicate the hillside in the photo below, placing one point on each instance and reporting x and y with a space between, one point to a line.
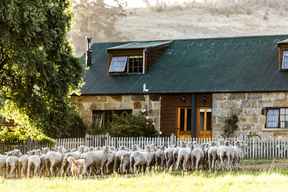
194 20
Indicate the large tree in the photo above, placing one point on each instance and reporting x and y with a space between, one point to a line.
37 69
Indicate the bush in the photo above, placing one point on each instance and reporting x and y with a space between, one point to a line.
17 134
22 129
230 126
131 125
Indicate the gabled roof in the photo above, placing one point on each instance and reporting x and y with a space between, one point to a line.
234 64
140 45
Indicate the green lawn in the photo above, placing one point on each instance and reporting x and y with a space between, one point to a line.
201 181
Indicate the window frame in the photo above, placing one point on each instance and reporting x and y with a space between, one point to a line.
185 123
107 116
279 127
129 62
126 58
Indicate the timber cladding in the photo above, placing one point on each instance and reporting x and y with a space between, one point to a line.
169 104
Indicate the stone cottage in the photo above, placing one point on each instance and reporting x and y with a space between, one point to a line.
190 86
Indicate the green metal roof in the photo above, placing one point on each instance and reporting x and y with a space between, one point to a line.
235 64
140 45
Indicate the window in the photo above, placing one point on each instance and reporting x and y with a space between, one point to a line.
205 119
184 118
277 118
126 64
135 64
118 64
102 118
285 60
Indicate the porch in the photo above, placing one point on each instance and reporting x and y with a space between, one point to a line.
187 115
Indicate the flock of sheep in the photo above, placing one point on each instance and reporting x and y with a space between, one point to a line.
87 161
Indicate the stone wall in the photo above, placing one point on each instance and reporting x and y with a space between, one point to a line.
249 107
136 103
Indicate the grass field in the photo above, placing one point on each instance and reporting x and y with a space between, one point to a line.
276 180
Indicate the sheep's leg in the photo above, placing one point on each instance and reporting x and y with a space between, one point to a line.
115 166
23 171
222 162
28 170
135 168
107 168
52 169
213 163
62 170
197 163
229 163
185 164
36 170
178 163
7 169
12 170
192 162
168 163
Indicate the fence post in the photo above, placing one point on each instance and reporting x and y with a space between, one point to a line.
87 140
173 139
107 139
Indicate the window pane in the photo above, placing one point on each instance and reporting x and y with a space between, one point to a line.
201 120
284 117
189 116
118 64
98 118
135 64
285 60
272 118
209 122
182 119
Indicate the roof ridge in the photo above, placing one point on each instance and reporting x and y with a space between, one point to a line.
189 39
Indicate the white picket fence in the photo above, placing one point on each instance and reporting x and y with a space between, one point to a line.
253 148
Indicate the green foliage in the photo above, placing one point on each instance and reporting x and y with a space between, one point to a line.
131 125
230 125
22 129
37 69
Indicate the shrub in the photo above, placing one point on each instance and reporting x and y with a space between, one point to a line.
131 125
18 134
230 125
22 129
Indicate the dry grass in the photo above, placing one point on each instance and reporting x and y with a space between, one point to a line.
200 181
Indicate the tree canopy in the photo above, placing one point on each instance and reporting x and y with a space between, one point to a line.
37 69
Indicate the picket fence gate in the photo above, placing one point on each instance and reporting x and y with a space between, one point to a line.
252 148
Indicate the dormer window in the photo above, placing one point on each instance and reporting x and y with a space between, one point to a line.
285 60
134 57
126 64
283 55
